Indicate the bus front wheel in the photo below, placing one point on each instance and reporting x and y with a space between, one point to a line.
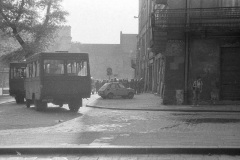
74 105
28 103
19 99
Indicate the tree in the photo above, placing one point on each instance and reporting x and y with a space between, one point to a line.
32 23
7 44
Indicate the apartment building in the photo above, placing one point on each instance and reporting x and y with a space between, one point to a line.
179 40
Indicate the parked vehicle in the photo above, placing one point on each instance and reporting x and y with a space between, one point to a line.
17 76
59 78
112 89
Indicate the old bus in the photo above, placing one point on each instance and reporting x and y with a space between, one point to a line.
17 75
58 78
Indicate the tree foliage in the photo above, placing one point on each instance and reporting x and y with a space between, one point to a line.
32 23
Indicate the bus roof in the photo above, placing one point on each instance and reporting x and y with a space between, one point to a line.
59 55
17 64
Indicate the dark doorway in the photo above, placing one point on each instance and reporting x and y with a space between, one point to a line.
230 74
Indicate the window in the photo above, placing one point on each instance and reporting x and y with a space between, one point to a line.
29 70
121 86
37 69
72 67
34 69
76 68
53 67
17 73
114 86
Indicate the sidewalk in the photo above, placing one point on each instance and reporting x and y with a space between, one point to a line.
151 102
6 99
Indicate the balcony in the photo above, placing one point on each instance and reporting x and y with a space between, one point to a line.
195 19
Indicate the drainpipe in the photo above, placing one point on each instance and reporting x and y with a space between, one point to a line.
186 55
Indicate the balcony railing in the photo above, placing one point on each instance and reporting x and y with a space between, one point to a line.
197 18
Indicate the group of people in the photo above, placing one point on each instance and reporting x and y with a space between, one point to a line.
136 84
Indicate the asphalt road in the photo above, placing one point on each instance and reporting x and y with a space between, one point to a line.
21 126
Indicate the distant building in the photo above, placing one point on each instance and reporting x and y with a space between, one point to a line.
115 56
102 56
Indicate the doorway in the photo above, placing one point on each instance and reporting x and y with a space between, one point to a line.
230 74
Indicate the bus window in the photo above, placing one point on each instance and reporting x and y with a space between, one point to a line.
34 69
22 72
17 73
77 68
53 67
29 70
37 69
72 67
82 68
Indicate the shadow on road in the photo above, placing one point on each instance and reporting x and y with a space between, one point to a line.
211 120
57 110
15 116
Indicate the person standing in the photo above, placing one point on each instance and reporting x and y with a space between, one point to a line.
137 86
97 86
141 84
197 90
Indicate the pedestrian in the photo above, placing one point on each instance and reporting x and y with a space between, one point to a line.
138 86
197 90
97 86
131 84
127 83
93 87
141 85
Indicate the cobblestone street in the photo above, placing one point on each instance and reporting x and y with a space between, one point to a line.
102 127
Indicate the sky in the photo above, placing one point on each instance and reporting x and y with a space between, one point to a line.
100 21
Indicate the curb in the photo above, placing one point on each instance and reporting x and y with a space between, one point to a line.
167 110
119 150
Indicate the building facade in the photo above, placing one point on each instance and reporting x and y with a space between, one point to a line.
114 56
180 40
